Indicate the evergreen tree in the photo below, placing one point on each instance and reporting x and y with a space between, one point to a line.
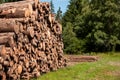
59 15
52 6
105 20
71 43
95 23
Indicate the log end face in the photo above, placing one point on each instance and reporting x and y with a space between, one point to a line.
2 51
19 69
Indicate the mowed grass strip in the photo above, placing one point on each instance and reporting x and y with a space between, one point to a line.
106 68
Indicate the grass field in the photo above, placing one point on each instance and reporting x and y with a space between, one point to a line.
106 68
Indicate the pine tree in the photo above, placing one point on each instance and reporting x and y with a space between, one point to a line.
74 8
52 7
59 15
71 43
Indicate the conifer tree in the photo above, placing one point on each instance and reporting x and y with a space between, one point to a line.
59 15
71 43
96 23
52 7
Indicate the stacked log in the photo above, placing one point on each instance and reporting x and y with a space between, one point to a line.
30 40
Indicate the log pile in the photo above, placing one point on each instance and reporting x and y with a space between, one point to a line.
80 58
30 40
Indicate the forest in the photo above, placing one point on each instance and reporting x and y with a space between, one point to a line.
89 25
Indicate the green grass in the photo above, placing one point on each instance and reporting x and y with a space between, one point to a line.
106 68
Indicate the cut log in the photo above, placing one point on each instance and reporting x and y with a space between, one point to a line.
30 40
7 34
6 40
15 10
1 67
11 42
2 75
8 25
16 13
2 50
19 69
6 63
29 31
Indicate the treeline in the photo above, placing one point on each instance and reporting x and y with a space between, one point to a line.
91 26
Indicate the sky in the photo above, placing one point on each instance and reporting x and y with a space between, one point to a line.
59 3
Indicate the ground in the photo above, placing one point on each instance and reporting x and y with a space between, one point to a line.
104 67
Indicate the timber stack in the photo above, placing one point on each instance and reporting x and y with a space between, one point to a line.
30 40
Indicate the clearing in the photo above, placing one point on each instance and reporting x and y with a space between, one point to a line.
106 67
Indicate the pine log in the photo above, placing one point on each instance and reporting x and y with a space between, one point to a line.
2 50
4 40
22 4
8 25
19 69
2 75
16 13
16 10
29 31
7 40
7 34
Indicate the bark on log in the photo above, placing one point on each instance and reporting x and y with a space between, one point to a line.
17 4
7 40
29 32
16 13
15 10
7 34
2 75
37 46
4 39
8 25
